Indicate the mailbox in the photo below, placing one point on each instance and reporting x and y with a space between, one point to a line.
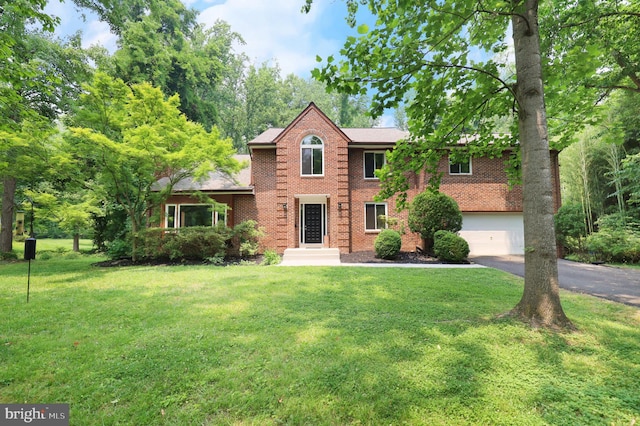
29 248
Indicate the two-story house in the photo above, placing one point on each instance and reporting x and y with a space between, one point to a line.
312 184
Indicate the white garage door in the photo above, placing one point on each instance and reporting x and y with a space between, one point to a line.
493 234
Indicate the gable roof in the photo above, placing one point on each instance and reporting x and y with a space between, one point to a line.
371 136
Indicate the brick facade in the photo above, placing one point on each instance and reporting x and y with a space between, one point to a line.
279 190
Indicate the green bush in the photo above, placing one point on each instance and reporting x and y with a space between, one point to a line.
245 239
271 258
387 244
450 247
118 249
571 229
197 243
206 243
616 241
10 255
432 211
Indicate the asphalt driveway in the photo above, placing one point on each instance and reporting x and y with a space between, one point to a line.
617 284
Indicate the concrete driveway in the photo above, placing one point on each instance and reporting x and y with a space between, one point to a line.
617 284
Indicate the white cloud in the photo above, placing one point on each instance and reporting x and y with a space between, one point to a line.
94 32
276 30
98 33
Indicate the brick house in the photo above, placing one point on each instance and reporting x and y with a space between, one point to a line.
312 184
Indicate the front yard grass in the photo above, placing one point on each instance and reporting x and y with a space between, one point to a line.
243 345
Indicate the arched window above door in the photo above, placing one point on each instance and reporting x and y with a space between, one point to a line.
312 156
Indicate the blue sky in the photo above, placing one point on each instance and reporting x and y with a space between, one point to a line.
274 30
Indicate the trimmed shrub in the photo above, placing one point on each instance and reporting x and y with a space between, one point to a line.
245 239
432 211
450 247
197 243
271 258
387 244
192 243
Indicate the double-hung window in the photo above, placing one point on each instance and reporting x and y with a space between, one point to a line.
460 167
312 155
375 214
373 161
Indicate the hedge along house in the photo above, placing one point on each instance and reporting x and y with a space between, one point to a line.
312 184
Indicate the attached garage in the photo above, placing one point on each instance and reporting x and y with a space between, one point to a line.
493 234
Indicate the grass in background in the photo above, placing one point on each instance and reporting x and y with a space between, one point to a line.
333 345
54 245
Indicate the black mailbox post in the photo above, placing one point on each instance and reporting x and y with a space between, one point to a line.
29 253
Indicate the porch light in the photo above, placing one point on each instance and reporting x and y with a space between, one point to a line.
339 206
284 206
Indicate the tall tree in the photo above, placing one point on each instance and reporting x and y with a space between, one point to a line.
38 79
427 47
15 16
131 136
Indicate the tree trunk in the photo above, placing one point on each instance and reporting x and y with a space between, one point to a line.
134 237
8 199
540 303
76 242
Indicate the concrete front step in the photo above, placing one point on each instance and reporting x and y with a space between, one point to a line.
311 256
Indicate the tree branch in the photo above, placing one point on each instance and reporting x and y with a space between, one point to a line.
615 86
600 17
505 85
622 62
510 14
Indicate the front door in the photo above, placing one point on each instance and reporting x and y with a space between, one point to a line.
312 223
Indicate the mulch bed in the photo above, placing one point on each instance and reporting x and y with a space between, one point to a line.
355 257
403 257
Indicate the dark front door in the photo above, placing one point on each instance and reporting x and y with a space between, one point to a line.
312 227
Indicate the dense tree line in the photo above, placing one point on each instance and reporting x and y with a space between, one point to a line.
62 104
600 216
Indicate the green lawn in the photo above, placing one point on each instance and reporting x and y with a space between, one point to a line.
242 345
58 245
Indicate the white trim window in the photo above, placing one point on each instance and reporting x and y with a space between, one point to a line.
184 215
373 160
374 214
312 156
460 167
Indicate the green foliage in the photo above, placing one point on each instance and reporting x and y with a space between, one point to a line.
387 244
617 240
132 135
271 258
192 243
199 243
450 247
631 175
119 249
196 243
245 239
8 255
571 228
431 211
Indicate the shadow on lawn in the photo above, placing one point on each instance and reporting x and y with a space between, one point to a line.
378 356
334 346
360 349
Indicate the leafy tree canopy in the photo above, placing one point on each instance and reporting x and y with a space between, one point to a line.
130 136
